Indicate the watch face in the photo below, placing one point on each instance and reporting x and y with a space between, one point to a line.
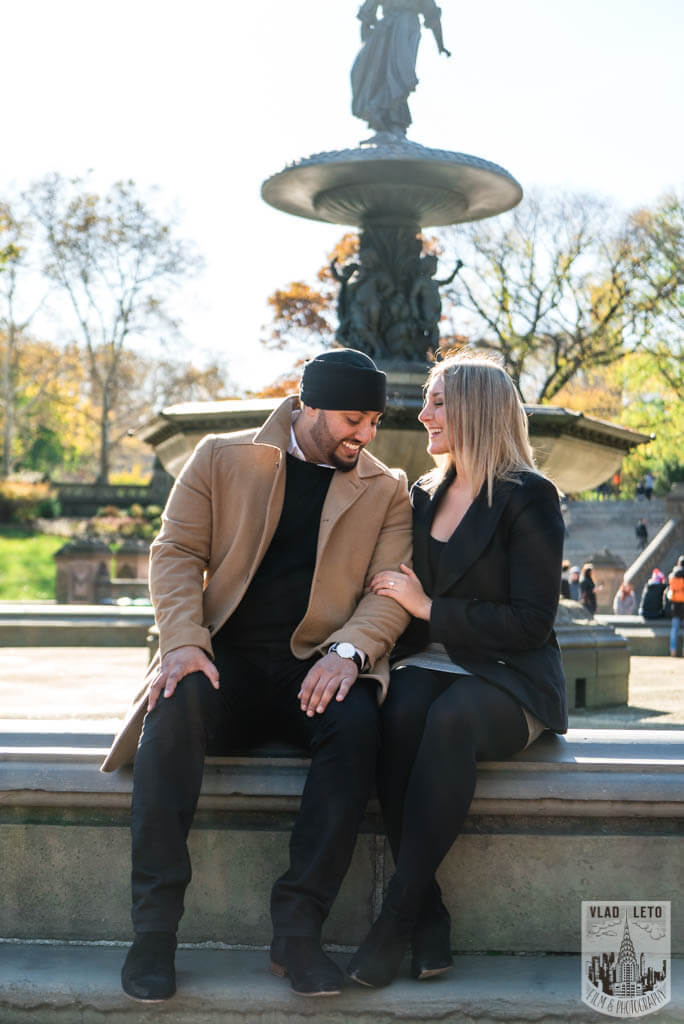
345 650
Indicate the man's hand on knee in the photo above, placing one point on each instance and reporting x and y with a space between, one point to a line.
177 664
330 677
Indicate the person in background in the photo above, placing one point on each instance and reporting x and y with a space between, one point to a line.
573 583
565 582
648 486
587 588
675 595
565 512
641 531
624 602
652 604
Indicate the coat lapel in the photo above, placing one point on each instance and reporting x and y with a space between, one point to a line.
344 490
471 537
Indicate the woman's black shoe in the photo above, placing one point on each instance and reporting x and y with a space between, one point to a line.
431 944
378 959
310 970
149 973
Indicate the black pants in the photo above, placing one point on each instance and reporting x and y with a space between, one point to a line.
434 728
257 700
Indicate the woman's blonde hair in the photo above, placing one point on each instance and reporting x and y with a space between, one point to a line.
486 422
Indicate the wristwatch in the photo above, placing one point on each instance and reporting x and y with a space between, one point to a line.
345 650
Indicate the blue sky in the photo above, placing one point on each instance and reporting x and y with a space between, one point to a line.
206 100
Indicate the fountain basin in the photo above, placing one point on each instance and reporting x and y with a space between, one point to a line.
577 452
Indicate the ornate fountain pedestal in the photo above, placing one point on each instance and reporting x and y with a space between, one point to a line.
389 304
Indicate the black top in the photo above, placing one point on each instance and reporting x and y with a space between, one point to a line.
434 554
277 598
588 593
495 591
651 604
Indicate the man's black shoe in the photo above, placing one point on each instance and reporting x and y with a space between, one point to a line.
148 973
310 970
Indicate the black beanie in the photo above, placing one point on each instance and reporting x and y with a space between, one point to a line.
344 379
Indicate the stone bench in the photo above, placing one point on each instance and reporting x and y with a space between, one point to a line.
643 636
592 815
73 625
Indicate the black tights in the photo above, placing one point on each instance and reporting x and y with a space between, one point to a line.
435 727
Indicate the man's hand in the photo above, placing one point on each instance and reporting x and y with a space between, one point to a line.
176 664
330 676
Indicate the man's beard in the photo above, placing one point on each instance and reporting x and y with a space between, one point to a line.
327 446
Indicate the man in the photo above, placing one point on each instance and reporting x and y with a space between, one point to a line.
259 579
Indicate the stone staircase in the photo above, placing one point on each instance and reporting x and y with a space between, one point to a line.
593 815
596 525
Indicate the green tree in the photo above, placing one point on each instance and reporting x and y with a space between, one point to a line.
55 430
565 283
547 285
651 404
658 241
16 399
117 263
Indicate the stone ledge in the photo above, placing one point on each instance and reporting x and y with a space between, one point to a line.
74 625
643 636
589 773
591 815
49 984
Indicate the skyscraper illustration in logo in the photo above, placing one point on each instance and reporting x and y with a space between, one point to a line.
626 956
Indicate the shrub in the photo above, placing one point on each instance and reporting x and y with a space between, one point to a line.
110 511
22 502
50 508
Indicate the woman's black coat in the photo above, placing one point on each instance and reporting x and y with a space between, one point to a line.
495 592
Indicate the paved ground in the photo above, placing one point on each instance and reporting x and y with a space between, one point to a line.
96 684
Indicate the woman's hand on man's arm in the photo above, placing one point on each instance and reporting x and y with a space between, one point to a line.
405 588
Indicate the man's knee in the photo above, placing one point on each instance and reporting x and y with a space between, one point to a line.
354 722
186 712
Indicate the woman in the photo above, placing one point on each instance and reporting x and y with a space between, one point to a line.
588 588
479 672
624 602
652 601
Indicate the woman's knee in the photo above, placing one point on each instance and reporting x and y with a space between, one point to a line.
476 715
456 715
406 706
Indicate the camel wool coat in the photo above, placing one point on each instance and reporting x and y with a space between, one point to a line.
217 525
